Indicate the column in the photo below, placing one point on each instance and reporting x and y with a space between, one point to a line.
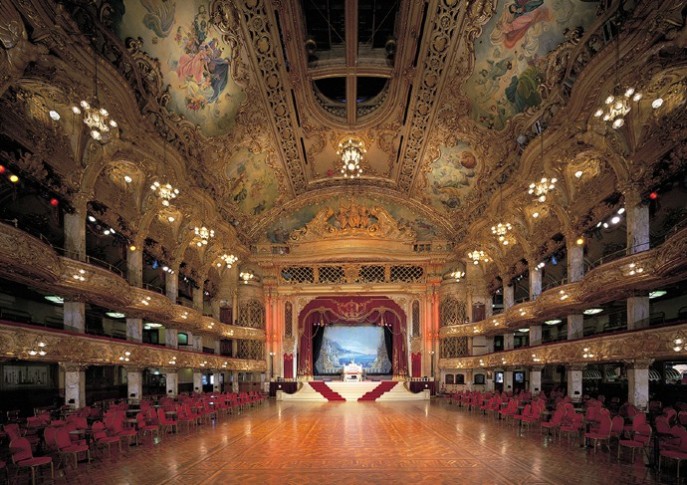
74 384
534 278
198 299
535 335
235 381
172 285
508 295
75 233
508 341
171 338
535 379
637 214
74 316
197 343
197 381
575 257
574 378
508 380
575 326
637 312
638 383
134 329
235 349
134 382
489 380
134 267
217 345
216 377
171 382
489 345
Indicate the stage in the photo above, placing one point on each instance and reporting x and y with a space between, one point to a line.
321 391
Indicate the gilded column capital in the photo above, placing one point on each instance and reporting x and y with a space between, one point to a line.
576 367
72 367
134 368
638 364
536 368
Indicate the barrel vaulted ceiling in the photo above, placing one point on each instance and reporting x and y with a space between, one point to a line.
434 89
254 96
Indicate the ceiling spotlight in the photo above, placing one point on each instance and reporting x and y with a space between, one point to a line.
535 214
170 218
91 219
580 241
579 174
657 103
54 115
554 321
593 311
615 220
127 179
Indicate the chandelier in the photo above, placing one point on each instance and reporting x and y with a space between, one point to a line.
101 126
617 106
165 192
501 230
246 276
478 256
541 188
457 275
203 235
228 260
351 152
38 348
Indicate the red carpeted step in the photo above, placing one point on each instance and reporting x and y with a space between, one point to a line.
375 393
324 389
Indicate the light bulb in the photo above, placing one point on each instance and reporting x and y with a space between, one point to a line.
657 103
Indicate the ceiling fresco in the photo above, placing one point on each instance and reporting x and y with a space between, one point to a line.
279 232
252 183
198 65
510 54
450 177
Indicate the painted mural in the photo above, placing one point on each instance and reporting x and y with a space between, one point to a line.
253 185
279 232
510 54
451 176
194 60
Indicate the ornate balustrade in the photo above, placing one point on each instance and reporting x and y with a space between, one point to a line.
21 341
29 260
645 344
611 281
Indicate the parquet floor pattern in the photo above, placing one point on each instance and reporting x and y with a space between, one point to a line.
355 443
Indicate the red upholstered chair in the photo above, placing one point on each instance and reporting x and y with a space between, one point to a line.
165 423
116 427
603 433
573 426
66 447
102 439
144 428
678 455
554 423
617 424
22 457
641 438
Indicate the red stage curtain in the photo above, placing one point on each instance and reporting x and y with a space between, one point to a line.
416 363
288 366
356 310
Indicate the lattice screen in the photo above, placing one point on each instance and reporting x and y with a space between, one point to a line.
416 319
251 314
251 349
332 274
453 312
407 274
453 347
288 320
297 274
372 274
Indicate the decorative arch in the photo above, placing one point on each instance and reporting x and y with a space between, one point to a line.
353 310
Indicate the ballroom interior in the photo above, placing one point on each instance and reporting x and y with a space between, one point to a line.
215 214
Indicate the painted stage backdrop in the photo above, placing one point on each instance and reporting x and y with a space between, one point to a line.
510 54
195 61
343 344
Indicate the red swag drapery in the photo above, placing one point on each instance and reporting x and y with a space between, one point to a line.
288 366
354 310
416 364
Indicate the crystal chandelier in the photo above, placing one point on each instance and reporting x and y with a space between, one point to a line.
351 152
246 276
165 192
617 106
541 188
500 230
478 256
457 275
101 126
228 260
203 235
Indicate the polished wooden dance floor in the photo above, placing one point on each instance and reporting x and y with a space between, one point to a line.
351 443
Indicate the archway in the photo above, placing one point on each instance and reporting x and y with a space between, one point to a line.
378 311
